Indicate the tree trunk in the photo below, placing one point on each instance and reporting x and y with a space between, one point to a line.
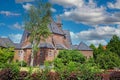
32 57
32 60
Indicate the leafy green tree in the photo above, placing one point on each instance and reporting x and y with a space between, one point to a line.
92 46
6 55
114 45
89 72
94 50
97 51
36 23
68 61
71 55
108 60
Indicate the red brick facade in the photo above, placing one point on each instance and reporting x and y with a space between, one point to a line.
49 49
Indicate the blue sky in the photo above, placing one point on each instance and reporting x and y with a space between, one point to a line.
90 21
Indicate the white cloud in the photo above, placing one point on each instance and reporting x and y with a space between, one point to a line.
18 26
53 9
96 42
97 35
86 12
22 1
27 6
115 5
8 13
68 3
15 37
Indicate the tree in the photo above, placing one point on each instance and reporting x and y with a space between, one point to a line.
36 23
97 51
108 60
68 61
114 45
71 55
94 50
6 55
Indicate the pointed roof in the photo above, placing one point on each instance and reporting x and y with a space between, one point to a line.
25 34
83 46
17 45
74 47
67 35
6 42
54 28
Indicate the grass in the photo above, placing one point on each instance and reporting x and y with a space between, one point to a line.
34 69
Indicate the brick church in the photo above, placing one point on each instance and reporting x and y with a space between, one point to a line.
59 39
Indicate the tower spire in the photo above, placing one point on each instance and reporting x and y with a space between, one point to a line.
59 22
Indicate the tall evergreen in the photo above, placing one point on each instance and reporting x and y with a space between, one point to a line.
114 45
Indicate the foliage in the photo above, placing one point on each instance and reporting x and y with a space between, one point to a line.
114 45
68 61
22 63
36 24
89 71
108 60
6 56
71 64
23 75
71 55
97 51
9 72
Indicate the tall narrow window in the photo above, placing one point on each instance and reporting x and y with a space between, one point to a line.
41 52
50 54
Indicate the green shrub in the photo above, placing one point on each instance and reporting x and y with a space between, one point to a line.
22 63
9 72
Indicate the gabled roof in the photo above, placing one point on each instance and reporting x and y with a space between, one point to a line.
41 45
25 34
54 28
6 42
83 46
67 35
74 47
60 46
46 45
17 45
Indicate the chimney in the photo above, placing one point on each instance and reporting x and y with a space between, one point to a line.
59 22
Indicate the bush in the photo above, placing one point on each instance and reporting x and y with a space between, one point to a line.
22 75
72 76
53 76
9 72
115 75
22 63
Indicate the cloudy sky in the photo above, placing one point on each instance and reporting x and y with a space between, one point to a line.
90 21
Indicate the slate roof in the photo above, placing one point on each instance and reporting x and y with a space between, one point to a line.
74 47
67 35
17 45
46 45
82 46
6 42
41 45
54 28
60 46
25 34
